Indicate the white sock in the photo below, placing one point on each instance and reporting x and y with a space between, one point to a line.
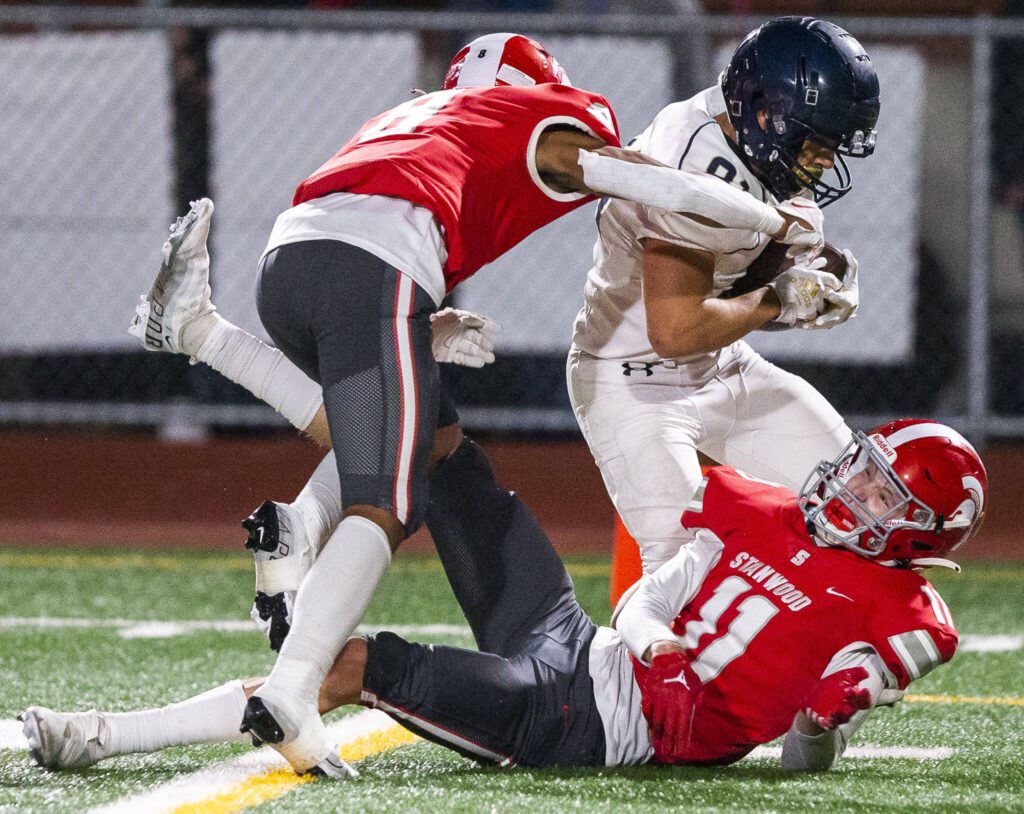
329 605
262 370
319 502
212 717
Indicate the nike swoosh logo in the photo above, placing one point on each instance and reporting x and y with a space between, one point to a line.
834 592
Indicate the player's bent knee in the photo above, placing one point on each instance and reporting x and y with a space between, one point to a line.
250 685
318 430
343 683
392 526
446 441
388 661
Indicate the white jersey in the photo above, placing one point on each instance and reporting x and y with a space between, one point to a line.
612 324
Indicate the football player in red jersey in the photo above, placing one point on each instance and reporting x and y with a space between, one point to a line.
418 200
787 615
766 571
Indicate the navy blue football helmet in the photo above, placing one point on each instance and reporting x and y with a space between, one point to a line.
814 82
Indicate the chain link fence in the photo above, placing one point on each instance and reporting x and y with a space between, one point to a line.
115 118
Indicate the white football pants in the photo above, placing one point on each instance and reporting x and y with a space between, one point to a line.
644 430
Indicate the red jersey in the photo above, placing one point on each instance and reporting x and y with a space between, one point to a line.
775 608
467 155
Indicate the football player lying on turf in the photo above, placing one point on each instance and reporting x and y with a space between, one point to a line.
703 665
420 199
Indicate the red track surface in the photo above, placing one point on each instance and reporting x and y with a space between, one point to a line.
63 488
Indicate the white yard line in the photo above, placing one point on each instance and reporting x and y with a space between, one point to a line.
871 752
996 643
222 777
159 629
363 723
11 736
165 629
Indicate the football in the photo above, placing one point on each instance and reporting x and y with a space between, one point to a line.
770 264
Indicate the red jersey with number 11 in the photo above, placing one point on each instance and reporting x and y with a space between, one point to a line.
775 608
468 156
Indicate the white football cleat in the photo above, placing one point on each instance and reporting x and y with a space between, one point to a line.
296 731
63 740
181 292
284 553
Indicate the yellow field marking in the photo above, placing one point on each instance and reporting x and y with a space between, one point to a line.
126 561
589 569
998 700
575 569
416 561
252 792
274 784
240 562
377 742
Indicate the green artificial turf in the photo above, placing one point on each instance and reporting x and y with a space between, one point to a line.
94 665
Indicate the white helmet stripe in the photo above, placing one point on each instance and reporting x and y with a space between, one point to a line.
480 71
927 430
972 484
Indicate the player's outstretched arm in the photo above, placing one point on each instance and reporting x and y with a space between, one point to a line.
576 162
834 709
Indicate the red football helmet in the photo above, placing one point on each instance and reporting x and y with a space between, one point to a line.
905 494
503 59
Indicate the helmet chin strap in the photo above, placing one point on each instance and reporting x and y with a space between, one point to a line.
923 562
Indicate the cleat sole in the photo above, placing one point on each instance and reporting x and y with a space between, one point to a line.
260 723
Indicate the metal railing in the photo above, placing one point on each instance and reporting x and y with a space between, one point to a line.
688 35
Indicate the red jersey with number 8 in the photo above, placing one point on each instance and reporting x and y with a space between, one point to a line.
775 608
468 156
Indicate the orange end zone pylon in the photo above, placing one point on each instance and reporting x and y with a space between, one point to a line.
626 565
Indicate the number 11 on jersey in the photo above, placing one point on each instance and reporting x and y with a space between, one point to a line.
753 613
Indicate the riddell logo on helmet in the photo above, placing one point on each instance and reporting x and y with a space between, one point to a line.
883 447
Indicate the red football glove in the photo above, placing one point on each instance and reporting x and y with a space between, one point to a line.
669 695
837 697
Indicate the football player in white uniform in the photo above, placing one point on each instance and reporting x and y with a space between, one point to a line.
658 369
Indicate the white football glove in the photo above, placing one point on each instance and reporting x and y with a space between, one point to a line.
840 305
801 291
806 233
463 338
